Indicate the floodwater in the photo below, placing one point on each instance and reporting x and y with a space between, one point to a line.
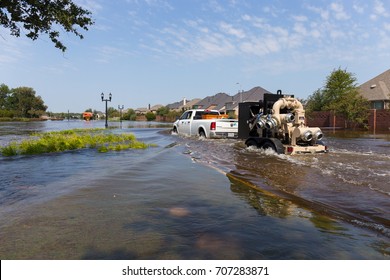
191 198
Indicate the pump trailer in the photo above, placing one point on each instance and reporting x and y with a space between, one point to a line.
278 122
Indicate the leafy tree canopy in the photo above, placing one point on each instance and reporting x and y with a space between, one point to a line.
316 101
20 102
162 111
129 115
4 92
340 94
38 17
23 101
150 116
340 85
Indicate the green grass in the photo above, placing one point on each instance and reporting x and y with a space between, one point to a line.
75 139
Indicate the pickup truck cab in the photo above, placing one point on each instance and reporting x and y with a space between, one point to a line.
206 123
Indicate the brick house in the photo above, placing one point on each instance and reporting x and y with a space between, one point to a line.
377 91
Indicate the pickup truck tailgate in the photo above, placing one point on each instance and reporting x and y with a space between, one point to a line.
226 128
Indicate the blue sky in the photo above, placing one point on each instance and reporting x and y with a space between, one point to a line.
159 51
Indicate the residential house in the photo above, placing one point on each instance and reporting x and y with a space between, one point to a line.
229 104
183 104
189 104
154 108
99 115
141 111
377 91
221 101
230 107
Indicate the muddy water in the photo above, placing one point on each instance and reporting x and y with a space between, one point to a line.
351 182
191 198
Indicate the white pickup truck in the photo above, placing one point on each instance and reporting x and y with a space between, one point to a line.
206 123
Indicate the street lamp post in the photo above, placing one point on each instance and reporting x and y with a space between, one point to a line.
106 100
120 113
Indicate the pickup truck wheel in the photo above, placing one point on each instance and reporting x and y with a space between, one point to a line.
202 134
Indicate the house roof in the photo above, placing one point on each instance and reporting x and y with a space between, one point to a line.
180 104
255 94
156 107
190 103
213 101
218 101
142 109
174 105
377 88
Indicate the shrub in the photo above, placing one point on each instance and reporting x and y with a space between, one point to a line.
60 141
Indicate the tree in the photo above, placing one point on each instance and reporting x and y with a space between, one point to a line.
162 111
129 115
339 84
24 103
150 116
340 95
315 102
167 113
39 17
112 112
4 92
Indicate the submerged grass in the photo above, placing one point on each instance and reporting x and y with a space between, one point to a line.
67 140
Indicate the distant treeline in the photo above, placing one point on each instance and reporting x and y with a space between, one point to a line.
22 103
131 115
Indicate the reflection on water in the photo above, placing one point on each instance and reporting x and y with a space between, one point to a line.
167 203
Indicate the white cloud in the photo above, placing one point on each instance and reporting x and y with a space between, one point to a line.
379 9
271 10
213 46
254 48
383 44
324 14
101 27
336 34
229 29
255 21
264 45
339 12
315 33
175 34
316 29
198 25
300 29
197 41
215 6
300 18
107 53
246 17
358 9
11 48
262 24
90 5
159 4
